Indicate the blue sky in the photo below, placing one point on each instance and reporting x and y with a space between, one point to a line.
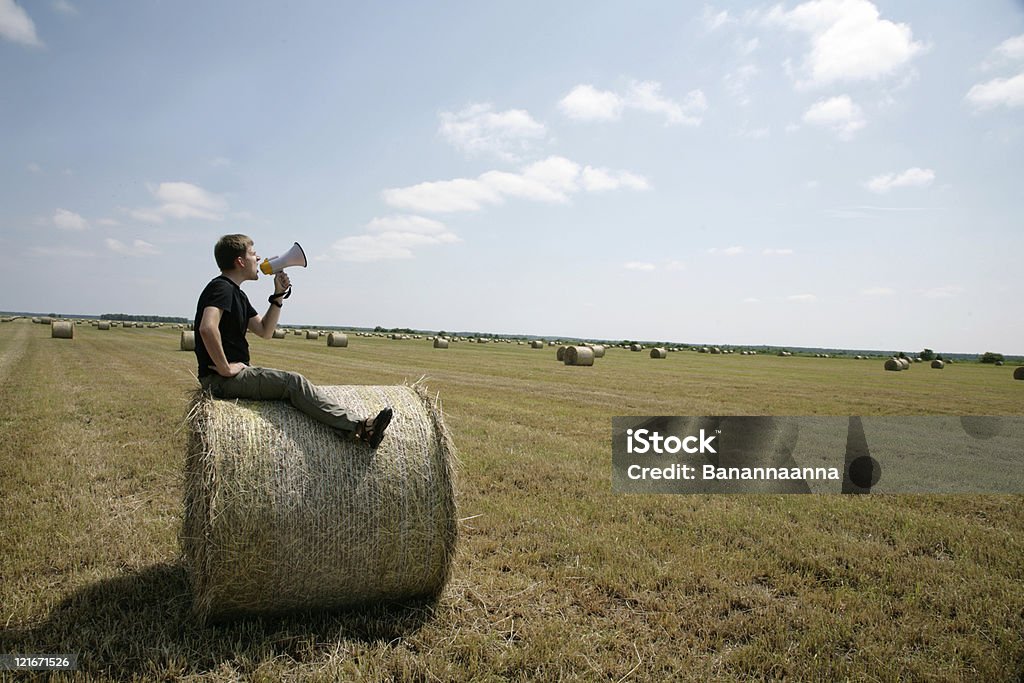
837 173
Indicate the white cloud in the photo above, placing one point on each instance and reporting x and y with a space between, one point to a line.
1010 50
479 129
728 251
777 252
220 162
35 168
181 201
943 292
640 265
751 300
1008 92
392 237
65 7
877 291
16 26
136 248
586 103
714 20
802 298
839 114
912 177
551 180
849 41
69 220
736 82
108 222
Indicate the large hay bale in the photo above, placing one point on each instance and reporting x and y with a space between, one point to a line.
636 347
937 364
188 341
312 334
579 355
893 364
659 352
440 343
1018 373
598 350
62 329
279 334
282 514
339 339
103 325
536 344
560 353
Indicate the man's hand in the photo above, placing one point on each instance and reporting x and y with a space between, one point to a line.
281 282
233 369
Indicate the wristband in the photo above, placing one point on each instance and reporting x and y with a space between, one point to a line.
274 298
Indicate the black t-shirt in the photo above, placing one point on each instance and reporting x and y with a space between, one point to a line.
229 297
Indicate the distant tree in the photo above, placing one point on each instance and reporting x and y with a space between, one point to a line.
938 356
927 354
989 357
901 355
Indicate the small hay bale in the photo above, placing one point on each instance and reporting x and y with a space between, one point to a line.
279 334
188 341
636 347
560 353
62 329
904 362
1018 373
579 355
938 364
338 339
536 344
281 514
598 350
659 352
103 325
440 343
893 364
312 334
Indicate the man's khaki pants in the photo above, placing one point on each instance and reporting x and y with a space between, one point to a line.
268 384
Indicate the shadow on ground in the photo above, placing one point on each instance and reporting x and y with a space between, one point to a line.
139 625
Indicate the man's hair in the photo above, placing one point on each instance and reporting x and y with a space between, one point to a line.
230 247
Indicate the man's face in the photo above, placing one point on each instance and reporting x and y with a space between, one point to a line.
250 263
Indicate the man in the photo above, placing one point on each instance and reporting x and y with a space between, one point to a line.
224 315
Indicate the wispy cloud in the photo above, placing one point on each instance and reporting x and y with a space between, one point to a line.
16 26
479 130
941 292
69 220
392 237
586 103
65 7
912 177
714 19
839 114
180 200
552 180
778 252
1009 51
802 298
878 291
727 251
1006 92
643 266
137 248
849 41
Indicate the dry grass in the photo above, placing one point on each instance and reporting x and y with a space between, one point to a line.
556 577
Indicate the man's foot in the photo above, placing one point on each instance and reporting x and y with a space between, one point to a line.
371 430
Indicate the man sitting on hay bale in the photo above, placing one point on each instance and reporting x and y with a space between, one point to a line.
224 315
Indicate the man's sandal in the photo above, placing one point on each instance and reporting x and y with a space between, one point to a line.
371 430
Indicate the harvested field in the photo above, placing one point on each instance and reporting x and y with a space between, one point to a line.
555 576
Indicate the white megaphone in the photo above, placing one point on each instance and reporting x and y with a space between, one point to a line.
293 257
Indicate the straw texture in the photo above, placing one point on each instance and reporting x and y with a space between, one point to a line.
579 355
440 343
188 341
893 364
659 352
339 339
282 514
62 329
1018 373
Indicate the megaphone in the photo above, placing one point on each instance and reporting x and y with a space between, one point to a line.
293 257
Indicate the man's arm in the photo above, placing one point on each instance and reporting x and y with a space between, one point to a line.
209 330
264 326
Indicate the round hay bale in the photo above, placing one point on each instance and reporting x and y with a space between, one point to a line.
716 350
281 514
338 339
536 344
659 353
298 333
579 355
904 362
312 334
937 364
636 347
1018 373
103 325
188 341
279 334
598 350
999 363
560 353
893 364
440 343
62 329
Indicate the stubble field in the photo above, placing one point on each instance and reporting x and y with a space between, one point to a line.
556 577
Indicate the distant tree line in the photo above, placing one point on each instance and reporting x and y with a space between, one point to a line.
144 318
